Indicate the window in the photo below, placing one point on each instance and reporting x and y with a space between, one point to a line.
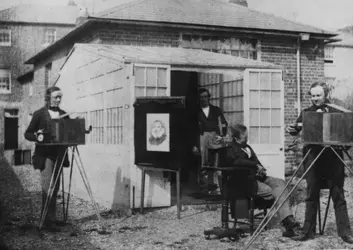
245 48
50 36
5 37
47 75
5 81
328 54
151 81
97 126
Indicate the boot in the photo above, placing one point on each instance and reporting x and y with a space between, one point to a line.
290 225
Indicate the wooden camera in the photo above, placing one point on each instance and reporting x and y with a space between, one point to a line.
328 128
65 131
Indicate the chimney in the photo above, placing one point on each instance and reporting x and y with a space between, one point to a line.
240 2
82 16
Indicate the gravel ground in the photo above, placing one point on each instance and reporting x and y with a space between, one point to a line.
157 229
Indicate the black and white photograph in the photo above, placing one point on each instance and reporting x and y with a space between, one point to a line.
176 124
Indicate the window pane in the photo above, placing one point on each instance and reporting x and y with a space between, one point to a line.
139 91
254 99
265 99
150 91
276 99
162 91
276 135
162 78
275 117
139 76
254 135
265 81
264 135
151 77
254 80
276 81
265 117
254 117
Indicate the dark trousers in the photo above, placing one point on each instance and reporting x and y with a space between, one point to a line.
332 170
46 175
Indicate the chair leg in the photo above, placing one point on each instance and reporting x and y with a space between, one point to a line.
319 215
225 215
251 215
326 212
143 178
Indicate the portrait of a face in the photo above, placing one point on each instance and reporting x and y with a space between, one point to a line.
158 132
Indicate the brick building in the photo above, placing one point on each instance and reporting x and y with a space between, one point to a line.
24 31
213 26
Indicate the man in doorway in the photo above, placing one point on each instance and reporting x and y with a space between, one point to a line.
327 167
212 125
46 156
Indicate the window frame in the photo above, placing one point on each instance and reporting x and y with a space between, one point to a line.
5 44
2 73
46 36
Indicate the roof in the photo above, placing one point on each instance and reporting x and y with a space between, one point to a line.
204 12
345 39
172 56
35 13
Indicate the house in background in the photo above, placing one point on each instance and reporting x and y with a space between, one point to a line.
263 99
24 31
338 67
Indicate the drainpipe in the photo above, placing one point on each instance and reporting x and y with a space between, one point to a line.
298 76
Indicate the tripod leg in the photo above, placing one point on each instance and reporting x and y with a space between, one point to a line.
70 181
326 212
51 188
63 193
277 200
350 158
87 185
254 236
319 215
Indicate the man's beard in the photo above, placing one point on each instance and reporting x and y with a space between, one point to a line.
157 134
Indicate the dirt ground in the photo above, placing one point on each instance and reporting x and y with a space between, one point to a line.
157 229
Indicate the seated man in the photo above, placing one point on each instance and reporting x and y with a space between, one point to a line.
241 154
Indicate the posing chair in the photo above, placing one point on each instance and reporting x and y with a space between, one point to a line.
239 189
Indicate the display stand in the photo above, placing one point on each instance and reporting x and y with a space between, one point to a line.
149 167
75 157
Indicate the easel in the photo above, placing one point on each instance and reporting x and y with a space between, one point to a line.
272 213
75 157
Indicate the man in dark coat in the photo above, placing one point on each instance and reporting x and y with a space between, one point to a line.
240 153
45 157
327 167
211 121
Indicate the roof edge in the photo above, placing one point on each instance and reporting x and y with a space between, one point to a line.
91 20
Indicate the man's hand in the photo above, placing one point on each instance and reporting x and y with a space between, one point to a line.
195 150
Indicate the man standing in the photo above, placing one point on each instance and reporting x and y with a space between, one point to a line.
212 124
46 156
328 167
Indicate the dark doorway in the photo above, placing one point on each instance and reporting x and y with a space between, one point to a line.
11 129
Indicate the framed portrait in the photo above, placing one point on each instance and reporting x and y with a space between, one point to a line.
158 132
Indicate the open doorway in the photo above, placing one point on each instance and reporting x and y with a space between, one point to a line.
185 83
11 129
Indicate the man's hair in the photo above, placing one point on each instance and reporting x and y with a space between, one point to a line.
202 90
48 93
237 130
321 84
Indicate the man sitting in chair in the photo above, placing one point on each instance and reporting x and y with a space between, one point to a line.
241 154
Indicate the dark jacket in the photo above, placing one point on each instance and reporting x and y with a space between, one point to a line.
236 156
328 160
210 123
41 120
244 181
